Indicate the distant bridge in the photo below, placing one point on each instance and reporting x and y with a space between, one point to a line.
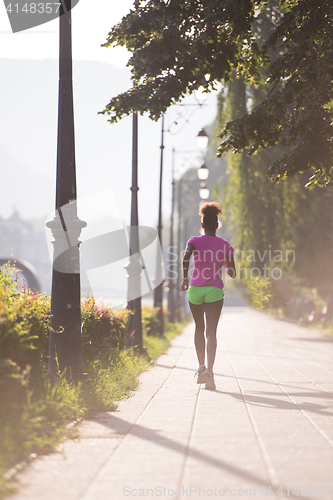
29 271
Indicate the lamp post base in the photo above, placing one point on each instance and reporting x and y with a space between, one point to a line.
134 271
65 336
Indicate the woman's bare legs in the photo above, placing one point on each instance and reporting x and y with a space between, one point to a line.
212 311
199 336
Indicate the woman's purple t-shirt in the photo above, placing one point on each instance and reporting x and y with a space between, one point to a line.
208 255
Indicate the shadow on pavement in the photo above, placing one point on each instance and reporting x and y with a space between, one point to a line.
315 394
328 339
139 431
282 405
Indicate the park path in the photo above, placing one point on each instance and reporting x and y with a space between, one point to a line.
266 431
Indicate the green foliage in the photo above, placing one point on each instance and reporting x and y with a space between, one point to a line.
156 345
259 293
150 321
295 112
112 379
24 325
180 45
102 330
280 216
260 212
263 293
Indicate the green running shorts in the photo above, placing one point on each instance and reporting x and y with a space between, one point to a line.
198 295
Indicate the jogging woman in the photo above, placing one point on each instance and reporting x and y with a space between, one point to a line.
205 294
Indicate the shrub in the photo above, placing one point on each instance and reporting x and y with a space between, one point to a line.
24 326
263 293
102 330
150 321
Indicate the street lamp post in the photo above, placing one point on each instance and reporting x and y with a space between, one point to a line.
178 309
65 336
171 298
134 267
158 292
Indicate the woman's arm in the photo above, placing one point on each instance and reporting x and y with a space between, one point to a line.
230 266
186 263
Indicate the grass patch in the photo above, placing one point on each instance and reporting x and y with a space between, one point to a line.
112 381
156 346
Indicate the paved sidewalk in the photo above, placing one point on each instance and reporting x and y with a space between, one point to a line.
266 431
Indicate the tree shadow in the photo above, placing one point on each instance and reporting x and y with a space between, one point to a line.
314 394
275 403
117 424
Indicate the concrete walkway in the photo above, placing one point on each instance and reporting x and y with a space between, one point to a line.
266 431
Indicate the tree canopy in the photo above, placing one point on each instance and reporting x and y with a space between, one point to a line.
179 45
274 224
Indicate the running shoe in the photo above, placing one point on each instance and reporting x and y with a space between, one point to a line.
200 374
209 380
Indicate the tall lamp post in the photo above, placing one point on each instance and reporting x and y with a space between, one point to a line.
178 309
171 298
134 267
158 292
65 336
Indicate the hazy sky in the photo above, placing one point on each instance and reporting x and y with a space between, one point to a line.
90 28
29 81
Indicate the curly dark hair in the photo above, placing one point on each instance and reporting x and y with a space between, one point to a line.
210 213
